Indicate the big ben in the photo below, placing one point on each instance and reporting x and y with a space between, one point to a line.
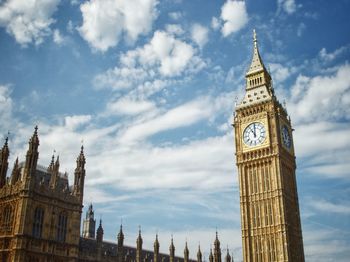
270 219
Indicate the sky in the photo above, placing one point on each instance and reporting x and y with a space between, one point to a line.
149 88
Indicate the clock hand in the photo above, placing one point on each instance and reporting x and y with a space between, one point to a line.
254 132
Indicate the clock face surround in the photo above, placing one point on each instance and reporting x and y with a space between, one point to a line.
286 138
254 134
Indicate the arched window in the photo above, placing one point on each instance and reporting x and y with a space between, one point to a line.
62 227
38 222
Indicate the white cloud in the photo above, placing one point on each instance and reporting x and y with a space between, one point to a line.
288 6
6 106
162 58
166 166
73 122
319 108
105 22
321 131
175 15
28 21
174 29
215 23
322 97
57 37
329 207
181 116
129 106
199 34
327 57
121 77
322 243
234 16
279 72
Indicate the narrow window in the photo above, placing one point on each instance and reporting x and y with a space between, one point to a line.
62 227
7 219
38 222
254 215
267 178
266 214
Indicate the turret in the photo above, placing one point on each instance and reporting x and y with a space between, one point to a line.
172 250
156 250
99 233
217 250
186 253
228 257
99 241
4 156
120 246
211 258
89 223
53 169
16 173
32 154
52 164
79 175
139 242
199 254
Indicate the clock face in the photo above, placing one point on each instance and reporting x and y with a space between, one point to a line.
286 138
254 134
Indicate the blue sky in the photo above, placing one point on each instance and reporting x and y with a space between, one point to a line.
150 87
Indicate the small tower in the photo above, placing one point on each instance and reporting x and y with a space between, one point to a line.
89 223
228 257
51 166
139 243
4 155
79 175
99 241
120 246
53 169
211 258
156 250
172 250
99 233
32 154
186 253
16 173
217 250
199 254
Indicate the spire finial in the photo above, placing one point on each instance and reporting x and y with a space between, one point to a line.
7 138
255 39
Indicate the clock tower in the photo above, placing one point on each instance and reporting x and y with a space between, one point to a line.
270 219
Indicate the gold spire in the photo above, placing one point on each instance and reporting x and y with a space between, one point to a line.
257 64
257 76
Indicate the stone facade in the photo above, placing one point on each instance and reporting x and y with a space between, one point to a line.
40 217
39 213
270 219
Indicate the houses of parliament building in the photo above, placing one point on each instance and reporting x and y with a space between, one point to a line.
40 213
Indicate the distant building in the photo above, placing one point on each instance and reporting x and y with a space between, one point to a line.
40 217
271 229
